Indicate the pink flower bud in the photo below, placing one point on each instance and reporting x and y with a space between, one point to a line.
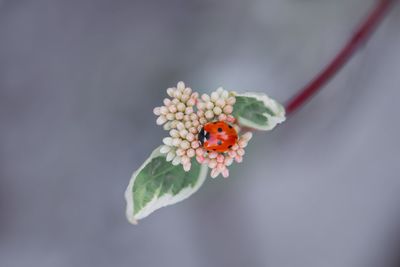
238 159
225 173
172 109
200 159
195 144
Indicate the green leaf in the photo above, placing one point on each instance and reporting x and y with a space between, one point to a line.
158 183
258 111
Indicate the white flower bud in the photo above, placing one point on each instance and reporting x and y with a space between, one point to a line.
174 124
225 173
170 116
184 98
242 143
157 111
209 114
201 105
172 109
195 123
187 91
180 152
220 90
193 116
228 109
247 136
189 110
220 158
231 100
188 124
167 126
220 102
217 110
185 144
190 153
235 147
195 144
214 173
167 141
240 151
161 120
214 96
175 101
239 159
176 142
183 133
186 118
205 97
170 155
167 102
212 164
209 105
170 92
213 155
187 167
165 149
180 86
174 133
200 152
190 137
203 121
220 167
232 153
181 106
179 116
228 161
191 102
222 117
180 126
225 94
176 161
164 110
185 160
193 130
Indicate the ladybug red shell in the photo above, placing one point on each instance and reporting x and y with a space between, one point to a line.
218 136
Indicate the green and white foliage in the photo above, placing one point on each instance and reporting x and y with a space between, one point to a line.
258 111
159 183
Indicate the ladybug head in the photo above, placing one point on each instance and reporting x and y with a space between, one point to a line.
203 136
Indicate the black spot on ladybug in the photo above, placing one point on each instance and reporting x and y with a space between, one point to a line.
230 127
215 122
207 136
219 142
229 147
219 129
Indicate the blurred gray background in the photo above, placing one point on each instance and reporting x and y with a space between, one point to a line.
79 80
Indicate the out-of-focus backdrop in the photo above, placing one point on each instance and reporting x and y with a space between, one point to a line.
78 83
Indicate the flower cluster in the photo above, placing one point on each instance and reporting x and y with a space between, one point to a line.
184 114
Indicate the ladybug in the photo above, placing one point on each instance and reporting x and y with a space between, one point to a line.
217 136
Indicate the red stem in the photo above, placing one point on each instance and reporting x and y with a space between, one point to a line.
359 37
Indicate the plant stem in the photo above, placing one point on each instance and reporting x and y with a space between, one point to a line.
344 55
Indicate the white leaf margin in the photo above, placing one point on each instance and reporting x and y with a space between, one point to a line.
165 200
273 105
